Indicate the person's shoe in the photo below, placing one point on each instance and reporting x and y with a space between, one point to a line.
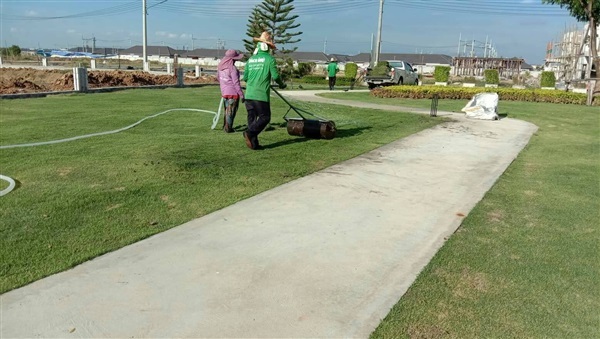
255 144
248 141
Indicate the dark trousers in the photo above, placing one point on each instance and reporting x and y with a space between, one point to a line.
259 116
332 82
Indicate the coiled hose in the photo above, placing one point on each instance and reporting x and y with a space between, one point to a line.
11 182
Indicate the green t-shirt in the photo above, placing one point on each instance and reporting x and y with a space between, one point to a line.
332 69
260 68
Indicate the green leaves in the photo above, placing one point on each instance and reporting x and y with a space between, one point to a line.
276 17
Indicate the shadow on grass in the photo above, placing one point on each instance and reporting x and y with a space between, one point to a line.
351 132
343 133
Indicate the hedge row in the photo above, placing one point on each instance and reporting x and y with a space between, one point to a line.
466 93
320 80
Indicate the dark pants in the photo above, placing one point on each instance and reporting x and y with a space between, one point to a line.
331 82
259 116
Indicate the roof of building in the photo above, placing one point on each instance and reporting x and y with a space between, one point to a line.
309 56
150 50
202 53
96 50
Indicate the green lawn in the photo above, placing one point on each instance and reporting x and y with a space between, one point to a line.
80 199
525 263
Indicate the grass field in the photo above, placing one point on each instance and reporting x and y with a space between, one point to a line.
525 263
80 199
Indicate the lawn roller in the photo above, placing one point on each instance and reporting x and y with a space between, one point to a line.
319 128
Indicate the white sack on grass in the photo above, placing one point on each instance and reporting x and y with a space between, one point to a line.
483 106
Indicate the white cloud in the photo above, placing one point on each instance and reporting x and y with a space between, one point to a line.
71 31
170 35
13 30
31 13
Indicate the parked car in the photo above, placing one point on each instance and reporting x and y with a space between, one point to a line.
400 73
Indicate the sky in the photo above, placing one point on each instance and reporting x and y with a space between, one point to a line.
515 28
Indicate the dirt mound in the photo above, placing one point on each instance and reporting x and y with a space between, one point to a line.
120 78
28 80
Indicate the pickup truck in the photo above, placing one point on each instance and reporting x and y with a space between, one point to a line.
400 73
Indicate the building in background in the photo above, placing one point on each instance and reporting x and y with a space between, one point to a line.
570 56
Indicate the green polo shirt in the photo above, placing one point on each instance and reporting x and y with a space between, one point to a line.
260 68
332 69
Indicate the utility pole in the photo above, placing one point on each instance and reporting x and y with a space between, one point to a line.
485 47
325 46
193 39
145 35
378 48
459 41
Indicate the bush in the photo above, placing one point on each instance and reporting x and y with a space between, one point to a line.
471 80
491 76
305 68
382 69
351 70
548 79
467 93
321 80
441 73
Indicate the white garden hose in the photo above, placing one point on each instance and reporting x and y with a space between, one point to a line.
11 185
11 182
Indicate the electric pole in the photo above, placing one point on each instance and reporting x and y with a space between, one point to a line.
325 46
193 39
378 47
145 35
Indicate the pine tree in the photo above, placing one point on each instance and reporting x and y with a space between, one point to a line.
255 26
275 16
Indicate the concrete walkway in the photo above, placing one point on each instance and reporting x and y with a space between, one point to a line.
333 252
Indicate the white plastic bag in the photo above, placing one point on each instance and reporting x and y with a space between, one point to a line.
483 106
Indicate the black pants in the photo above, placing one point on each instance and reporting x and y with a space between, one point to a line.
259 116
332 82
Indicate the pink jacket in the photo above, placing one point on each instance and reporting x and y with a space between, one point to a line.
229 80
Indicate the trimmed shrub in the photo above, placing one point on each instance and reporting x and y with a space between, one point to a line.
548 79
491 76
351 70
467 93
441 73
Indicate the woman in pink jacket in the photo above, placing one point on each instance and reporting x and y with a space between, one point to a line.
231 90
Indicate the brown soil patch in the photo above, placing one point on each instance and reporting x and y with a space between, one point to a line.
426 332
495 216
29 80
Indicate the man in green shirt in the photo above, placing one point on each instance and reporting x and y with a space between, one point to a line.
332 70
259 71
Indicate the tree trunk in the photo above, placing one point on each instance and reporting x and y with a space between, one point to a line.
594 86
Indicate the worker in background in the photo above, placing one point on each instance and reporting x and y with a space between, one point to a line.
231 90
332 70
259 71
